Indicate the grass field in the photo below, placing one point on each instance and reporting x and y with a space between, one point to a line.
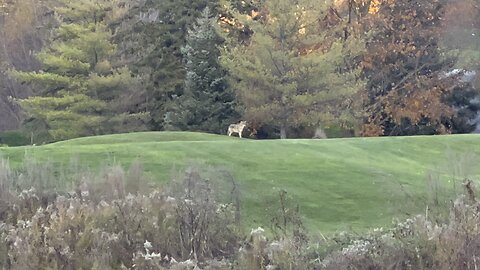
354 183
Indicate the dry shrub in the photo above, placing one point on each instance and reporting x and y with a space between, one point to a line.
422 242
288 248
102 225
419 243
206 227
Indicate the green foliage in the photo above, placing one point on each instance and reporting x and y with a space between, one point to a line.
78 90
292 73
207 103
150 37
14 138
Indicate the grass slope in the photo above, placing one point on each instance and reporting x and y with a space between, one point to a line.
340 183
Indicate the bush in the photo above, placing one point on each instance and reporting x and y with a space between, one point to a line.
103 225
14 138
421 242
418 243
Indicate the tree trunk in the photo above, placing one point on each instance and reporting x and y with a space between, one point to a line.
283 132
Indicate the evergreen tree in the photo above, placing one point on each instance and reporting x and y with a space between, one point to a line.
207 104
292 72
150 38
78 91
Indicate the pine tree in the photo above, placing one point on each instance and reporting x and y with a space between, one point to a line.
292 72
207 104
78 91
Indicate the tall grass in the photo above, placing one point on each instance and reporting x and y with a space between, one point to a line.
111 220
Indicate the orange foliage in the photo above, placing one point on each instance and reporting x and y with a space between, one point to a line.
417 104
403 65
371 130
374 6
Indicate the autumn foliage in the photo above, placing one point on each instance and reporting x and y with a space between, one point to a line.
404 67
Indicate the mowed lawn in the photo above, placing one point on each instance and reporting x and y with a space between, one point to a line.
354 183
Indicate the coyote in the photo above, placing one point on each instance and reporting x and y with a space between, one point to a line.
237 128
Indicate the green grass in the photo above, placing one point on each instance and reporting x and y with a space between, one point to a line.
354 183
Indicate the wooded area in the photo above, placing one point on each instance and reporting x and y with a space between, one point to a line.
71 68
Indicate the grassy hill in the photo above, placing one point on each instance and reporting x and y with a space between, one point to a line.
339 183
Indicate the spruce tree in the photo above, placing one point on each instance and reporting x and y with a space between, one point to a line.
78 91
292 73
150 38
207 103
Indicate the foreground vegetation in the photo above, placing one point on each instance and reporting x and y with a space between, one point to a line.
111 220
339 184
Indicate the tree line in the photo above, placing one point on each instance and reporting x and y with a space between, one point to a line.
288 67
